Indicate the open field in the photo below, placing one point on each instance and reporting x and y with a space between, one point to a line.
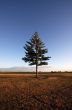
51 91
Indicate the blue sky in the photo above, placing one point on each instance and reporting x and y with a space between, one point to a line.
19 19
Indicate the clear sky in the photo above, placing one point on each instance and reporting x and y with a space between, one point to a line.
19 19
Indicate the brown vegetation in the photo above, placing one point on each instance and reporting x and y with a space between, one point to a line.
48 92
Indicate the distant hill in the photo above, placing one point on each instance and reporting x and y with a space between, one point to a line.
25 69
17 69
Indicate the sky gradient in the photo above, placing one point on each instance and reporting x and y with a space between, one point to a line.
19 19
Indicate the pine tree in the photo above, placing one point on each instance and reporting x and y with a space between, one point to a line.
35 52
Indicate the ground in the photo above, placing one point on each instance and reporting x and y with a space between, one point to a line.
51 91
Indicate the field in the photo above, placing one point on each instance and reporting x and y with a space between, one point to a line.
52 91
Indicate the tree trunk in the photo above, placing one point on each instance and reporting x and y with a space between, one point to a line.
36 60
36 70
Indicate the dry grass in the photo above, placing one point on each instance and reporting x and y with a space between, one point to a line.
25 92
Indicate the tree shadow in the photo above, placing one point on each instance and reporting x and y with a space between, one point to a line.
40 77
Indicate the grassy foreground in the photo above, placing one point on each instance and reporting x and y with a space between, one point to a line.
24 92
